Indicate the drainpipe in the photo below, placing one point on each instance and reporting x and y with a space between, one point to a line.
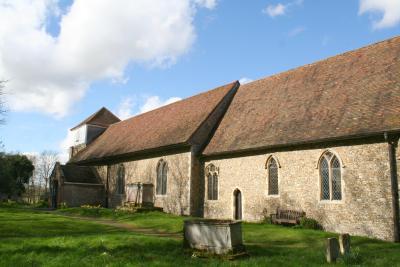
392 145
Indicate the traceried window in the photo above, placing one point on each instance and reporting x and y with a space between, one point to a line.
121 179
162 177
330 171
212 182
273 181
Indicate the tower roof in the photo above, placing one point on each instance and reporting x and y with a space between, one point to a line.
103 117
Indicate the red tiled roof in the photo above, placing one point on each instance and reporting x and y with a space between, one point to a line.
173 124
352 94
103 117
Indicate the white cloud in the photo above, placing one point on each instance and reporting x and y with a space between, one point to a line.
210 4
97 40
154 102
280 9
275 10
127 107
389 11
245 80
296 31
65 145
124 110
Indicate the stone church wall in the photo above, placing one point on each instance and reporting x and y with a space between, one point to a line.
76 194
145 171
365 208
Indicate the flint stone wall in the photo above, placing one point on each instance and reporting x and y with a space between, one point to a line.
176 200
76 194
365 208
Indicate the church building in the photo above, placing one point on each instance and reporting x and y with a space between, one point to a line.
321 138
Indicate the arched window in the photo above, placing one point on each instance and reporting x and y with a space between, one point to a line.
121 179
212 182
162 173
273 182
330 171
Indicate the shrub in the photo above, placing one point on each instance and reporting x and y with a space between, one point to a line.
42 204
309 223
63 205
266 217
267 220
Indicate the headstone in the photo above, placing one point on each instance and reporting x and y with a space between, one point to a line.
344 242
332 250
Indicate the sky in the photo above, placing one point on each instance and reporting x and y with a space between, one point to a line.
65 59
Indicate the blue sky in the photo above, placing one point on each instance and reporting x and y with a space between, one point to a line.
66 68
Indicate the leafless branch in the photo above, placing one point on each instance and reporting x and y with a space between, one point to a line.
45 164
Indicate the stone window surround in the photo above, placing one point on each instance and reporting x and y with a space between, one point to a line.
342 183
161 161
279 180
216 171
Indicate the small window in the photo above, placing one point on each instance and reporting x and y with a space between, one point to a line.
273 182
330 171
162 173
212 182
121 179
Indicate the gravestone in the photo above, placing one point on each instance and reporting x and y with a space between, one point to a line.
332 250
344 242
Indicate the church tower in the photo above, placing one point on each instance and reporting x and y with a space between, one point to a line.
89 129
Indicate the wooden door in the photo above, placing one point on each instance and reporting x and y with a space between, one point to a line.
237 196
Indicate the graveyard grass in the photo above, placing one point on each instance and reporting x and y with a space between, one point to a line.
37 238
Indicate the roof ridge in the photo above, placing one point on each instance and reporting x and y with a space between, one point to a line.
184 99
346 53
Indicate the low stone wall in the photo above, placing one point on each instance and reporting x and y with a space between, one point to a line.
78 194
365 208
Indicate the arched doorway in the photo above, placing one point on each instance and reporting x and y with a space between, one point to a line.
237 204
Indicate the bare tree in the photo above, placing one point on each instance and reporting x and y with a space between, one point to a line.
32 192
45 164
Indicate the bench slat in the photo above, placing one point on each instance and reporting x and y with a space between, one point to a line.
287 216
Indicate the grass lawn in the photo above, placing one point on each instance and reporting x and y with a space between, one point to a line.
35 238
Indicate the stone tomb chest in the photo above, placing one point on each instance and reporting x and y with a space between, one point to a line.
140 194
215 236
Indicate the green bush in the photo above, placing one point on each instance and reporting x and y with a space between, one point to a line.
309 223
42 204
266 217
267 220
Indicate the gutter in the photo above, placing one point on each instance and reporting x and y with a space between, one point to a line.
118 158
262 149
392 146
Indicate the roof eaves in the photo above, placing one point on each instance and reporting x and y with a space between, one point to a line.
300 143
137 154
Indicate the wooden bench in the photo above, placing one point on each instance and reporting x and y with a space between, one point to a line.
287 216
